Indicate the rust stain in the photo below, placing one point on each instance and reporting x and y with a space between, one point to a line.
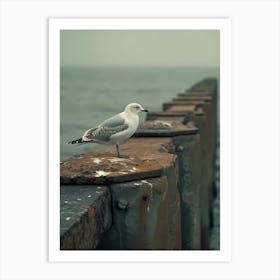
171 118
184 97
144 160
85 169
187 108
186 102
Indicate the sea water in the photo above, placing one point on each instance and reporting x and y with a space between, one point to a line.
90 95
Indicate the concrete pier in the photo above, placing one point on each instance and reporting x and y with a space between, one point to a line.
160 195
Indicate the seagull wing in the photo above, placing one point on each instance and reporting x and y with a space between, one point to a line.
117 120
105 130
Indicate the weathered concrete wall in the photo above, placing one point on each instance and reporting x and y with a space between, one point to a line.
140 215
185 143
81 210
205 165
160 196
188 151
204 116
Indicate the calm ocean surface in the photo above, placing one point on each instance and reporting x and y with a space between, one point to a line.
90 95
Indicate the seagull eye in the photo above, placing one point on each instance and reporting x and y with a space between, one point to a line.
136 107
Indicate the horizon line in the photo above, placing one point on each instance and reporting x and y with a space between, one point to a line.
140 66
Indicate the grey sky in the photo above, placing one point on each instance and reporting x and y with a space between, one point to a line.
189 48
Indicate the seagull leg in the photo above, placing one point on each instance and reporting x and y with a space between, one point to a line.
118 152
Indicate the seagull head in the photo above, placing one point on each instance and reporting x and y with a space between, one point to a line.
134 108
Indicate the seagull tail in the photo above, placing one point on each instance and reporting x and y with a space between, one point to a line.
77 141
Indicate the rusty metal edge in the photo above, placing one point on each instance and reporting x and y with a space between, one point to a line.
112 180
163 133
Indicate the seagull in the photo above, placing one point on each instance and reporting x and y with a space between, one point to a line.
115 130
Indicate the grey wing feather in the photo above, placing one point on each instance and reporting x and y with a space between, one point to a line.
117 120
105 130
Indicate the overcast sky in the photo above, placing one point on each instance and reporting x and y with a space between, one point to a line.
182 48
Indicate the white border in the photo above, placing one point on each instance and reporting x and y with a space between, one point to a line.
222 24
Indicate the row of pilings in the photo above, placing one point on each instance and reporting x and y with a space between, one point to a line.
160 196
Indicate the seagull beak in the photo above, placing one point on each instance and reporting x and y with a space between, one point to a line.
144 110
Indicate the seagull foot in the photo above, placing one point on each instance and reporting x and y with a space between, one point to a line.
123 156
